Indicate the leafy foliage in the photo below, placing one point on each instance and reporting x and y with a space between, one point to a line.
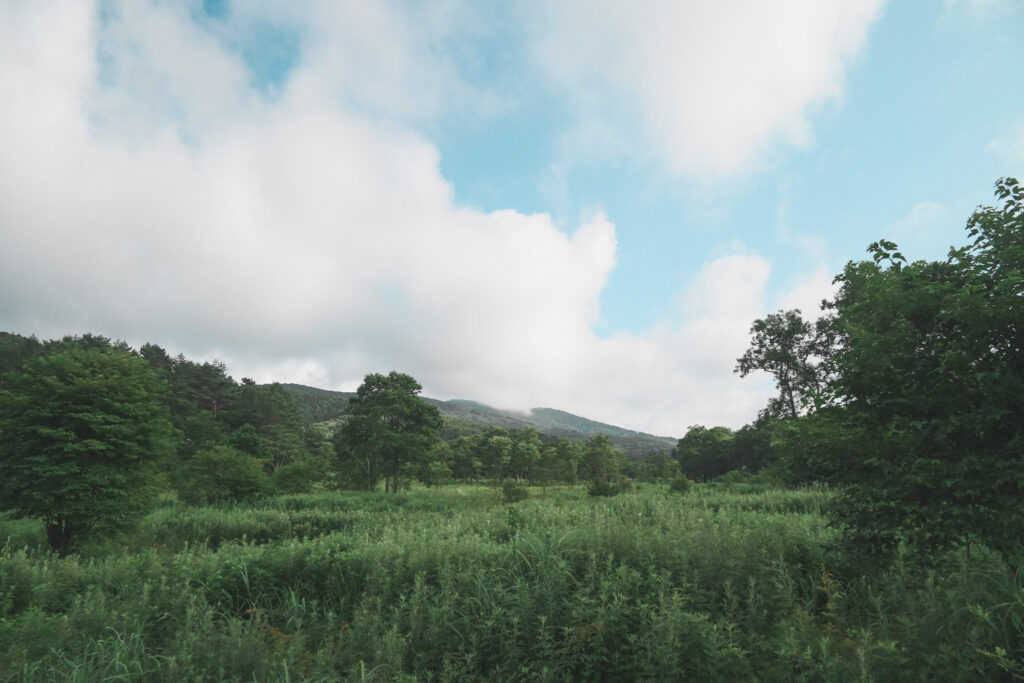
389 427
784 345
680 484
704 454
81 430
220 474
930 370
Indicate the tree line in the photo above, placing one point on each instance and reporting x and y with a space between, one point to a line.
93 431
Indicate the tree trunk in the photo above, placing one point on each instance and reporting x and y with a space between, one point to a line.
58 534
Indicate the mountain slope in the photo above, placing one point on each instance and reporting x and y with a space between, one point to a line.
470 417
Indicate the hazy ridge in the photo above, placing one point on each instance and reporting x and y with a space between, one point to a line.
464 416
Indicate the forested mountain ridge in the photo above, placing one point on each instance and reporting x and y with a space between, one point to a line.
465 417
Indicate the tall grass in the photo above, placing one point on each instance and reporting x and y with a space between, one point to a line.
453 584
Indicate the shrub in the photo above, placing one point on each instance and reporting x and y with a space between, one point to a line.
296 477
219 474
514 492
680 484
603 487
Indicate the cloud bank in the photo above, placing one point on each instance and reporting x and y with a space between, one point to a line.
155 188
707 89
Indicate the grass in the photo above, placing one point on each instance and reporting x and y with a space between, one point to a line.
455 584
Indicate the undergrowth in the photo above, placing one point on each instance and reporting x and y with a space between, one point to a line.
460 584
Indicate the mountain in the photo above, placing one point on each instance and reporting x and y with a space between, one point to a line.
463 417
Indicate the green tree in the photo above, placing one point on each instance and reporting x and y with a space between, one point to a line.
496 453
80 429
436 469
389 427
268 424
465 457
570 455
704 453
526 451
789 348
602 465
14 351
930 372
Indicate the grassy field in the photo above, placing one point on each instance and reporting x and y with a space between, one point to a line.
456 584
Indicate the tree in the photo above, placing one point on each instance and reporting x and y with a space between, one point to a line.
80 429
268 424
787 347
602 462
389 426
14 351
570 454
525 453
704 453
930 374
465 461
436 469
496 454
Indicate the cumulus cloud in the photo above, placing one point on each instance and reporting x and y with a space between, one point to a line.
150 191
705 88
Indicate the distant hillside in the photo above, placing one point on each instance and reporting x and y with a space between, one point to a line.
319 405
464 417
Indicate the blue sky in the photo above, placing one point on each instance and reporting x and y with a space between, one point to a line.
578 204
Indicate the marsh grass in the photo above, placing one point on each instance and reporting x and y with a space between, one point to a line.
458 584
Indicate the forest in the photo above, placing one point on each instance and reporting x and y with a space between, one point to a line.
160 520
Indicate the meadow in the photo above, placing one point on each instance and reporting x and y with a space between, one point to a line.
456 584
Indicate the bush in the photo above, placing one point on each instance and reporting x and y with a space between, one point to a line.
602 487
680 484
219 474
296 477
514 492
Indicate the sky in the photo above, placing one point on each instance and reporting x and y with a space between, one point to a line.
572 204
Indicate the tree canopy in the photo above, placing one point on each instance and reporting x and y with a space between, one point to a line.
914 379
930 370
787 347
389 426
80 429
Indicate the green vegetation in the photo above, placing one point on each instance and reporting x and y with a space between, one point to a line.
867 526
81 430
389 429
906 395
456 584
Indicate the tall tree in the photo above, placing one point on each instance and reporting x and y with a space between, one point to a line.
389 426
496 452
570 454
789 348
465 461
525 453
80 429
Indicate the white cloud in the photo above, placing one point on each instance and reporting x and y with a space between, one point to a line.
157 196
807 291
707 88
1010 146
